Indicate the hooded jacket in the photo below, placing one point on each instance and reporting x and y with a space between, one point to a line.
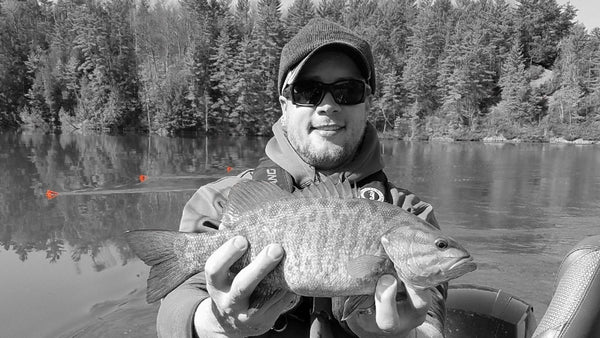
366 162
204 209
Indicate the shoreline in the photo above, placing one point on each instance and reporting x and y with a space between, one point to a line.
492 139
381 135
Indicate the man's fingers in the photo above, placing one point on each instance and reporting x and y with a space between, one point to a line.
217 265
420 299
246 280
386 313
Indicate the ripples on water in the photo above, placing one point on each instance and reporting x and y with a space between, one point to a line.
517 208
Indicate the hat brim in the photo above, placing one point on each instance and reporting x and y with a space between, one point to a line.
348 49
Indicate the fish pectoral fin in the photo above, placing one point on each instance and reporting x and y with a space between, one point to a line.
365 266
355 303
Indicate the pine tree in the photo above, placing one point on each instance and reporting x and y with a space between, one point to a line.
567 102
514 107
268 37
332 10
23 28
425 48
222 80
542 24
243 18
466 72
387 107
298 14
247 88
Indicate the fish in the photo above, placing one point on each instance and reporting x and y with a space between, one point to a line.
336 244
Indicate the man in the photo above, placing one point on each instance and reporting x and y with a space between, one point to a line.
326 81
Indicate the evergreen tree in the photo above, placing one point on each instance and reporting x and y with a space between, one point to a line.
332 10
466 72
243 18
514 107
298 14
223 80
568 98
23 27
248 108
387 107
425 48
542 24
268 37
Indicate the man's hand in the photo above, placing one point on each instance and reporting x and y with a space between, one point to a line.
227 310
394 315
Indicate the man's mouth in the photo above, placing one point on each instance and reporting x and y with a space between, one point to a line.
327 127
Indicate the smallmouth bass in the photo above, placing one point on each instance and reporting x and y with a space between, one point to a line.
336 244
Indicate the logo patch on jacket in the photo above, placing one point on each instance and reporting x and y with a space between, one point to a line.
372 194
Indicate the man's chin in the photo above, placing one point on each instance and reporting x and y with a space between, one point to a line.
325 156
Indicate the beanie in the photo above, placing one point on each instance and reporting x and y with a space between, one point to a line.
317 34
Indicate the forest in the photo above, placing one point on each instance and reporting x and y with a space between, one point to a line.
460 70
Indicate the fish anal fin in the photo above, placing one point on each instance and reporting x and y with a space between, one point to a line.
261 296
355 303
248 195
366 266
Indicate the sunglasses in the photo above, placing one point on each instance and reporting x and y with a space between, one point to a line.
311 93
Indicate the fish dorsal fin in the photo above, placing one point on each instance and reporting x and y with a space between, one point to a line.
328 188
249 195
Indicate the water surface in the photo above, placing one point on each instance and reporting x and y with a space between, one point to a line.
517 208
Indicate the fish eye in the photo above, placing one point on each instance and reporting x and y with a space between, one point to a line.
441 243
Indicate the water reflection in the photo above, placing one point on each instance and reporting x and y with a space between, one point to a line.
517 208
76 238
100 195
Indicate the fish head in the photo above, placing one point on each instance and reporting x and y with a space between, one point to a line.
425 258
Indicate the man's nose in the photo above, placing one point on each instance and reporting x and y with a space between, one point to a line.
328 104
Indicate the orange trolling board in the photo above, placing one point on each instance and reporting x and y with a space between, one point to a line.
51 194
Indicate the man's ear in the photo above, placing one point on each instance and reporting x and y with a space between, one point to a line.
283 103
368 103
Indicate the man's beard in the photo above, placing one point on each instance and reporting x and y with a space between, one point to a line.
334 157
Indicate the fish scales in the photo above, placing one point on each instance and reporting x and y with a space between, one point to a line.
314 241
334 245
331 241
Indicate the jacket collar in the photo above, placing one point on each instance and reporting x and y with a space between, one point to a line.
367 160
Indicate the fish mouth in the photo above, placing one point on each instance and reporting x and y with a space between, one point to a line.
463 264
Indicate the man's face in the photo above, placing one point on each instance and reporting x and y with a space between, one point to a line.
326 135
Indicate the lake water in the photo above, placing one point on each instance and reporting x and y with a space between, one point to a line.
67 272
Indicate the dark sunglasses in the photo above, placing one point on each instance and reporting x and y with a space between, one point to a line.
310 93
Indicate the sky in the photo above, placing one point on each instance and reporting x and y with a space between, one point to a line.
588 11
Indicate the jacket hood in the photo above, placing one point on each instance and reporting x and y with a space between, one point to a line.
366 161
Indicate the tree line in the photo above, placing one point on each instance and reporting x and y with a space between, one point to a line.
462 69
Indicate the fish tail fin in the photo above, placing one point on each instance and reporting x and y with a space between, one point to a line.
156 249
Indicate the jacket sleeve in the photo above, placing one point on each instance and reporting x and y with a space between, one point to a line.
201 213
436 315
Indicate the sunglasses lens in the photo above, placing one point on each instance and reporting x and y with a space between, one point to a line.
307 93
348 92
310 93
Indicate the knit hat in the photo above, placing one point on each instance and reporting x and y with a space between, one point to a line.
319 33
